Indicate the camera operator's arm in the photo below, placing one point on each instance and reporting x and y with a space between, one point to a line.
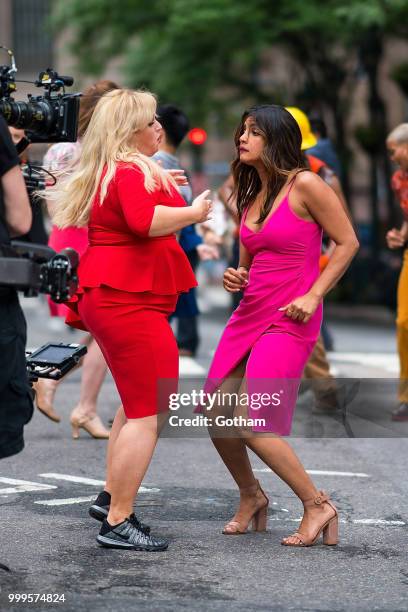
17 205
17 210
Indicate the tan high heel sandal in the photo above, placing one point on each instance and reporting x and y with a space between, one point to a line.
330 526
44 395
258 519
92 425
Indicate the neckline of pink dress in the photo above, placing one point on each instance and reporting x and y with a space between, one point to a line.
271 214
284 200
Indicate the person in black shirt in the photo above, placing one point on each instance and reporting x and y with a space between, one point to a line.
16 406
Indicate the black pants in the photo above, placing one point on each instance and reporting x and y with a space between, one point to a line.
187 327
16 406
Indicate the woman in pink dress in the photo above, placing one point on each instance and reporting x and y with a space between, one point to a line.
60 158
283 210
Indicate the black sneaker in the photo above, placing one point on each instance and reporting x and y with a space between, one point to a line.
128 537
100 510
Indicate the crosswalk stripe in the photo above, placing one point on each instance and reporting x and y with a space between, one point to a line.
22 486
189 366
77 479
346 521
90 481
63 502
386 361
324 473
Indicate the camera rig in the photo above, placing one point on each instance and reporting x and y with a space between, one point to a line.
53 360
35 269
52 117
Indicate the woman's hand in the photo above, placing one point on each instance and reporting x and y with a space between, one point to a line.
207 252
302 308
395 239
210 237
202 207
235 280
179 176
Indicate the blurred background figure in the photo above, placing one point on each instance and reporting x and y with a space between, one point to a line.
37 233
175 127
60 158
317 370
397 144
324 148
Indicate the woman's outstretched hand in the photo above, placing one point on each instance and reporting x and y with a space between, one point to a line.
235 280
179 176
202 207
302 308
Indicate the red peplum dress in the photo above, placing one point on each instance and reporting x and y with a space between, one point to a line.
128 286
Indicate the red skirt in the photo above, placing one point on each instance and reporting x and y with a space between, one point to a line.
139 346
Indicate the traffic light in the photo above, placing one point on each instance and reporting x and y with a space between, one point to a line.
197 136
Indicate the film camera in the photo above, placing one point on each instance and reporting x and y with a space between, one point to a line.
30 268
52 117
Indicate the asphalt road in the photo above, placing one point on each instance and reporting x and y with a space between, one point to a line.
48 540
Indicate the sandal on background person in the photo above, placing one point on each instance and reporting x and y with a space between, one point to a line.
92 424
45 389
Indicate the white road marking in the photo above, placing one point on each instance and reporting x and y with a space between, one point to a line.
63 502
386 361
77 479
90 481
22 486
334 473
324 473
377 522
190 367
345 521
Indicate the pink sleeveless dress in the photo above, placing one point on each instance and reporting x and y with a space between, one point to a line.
285 266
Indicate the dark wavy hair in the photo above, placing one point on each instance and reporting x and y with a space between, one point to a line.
281 156
89 99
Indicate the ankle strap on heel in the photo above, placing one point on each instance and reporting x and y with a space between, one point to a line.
320 498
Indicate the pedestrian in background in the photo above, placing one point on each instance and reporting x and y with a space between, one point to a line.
324 148
61 159
175 127
129 281
397 144
284 209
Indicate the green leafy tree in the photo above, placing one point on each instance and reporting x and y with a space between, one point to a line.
209 56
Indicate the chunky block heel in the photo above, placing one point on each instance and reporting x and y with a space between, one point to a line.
331 532
260 519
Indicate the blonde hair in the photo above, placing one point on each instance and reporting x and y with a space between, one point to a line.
117 116
399 134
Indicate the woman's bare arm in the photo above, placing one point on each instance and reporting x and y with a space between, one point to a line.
167 220
245 258
329 212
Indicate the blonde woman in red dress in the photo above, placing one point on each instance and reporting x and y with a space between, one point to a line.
130 278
